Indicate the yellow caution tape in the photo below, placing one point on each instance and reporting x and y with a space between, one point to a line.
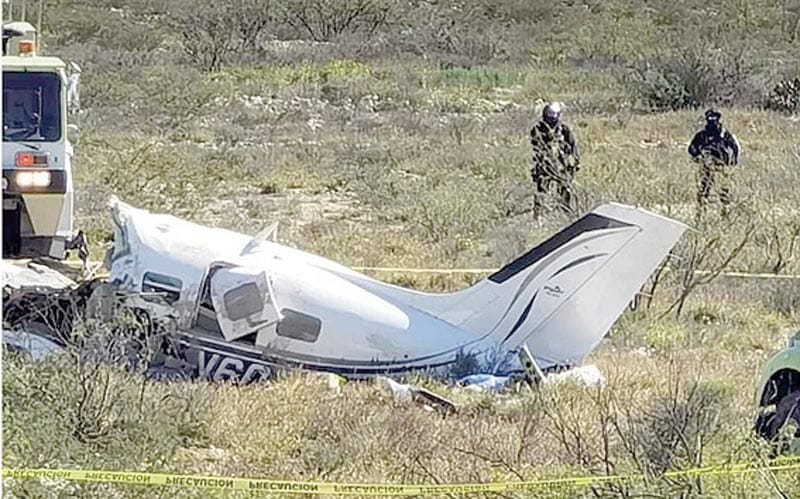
423 270
346 489
405 270
743 275
751 275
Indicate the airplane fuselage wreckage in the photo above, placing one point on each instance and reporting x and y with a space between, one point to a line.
241 307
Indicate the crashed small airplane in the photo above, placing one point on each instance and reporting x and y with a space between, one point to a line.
243 306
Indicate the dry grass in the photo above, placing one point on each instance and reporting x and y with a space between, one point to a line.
412 151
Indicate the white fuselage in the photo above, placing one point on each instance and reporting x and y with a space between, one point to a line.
358 327
358 323
252 300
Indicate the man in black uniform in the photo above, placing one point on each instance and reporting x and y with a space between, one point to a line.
716 149
555 155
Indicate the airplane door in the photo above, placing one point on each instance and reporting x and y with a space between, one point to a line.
243 301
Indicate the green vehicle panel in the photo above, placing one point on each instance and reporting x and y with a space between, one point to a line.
779 391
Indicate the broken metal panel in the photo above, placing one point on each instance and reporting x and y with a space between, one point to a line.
29 275
405 393
31 340
242 301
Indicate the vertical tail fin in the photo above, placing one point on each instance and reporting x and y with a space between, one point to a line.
562 297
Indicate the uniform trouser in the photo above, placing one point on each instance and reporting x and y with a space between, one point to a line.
710 177
563 180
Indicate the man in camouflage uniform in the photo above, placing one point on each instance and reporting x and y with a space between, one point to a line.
555 156
716 149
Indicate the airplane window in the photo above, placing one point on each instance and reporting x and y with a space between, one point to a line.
243 302
167 286
299 326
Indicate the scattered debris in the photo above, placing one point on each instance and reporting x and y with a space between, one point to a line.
485 382
32 341
406 393
588 375
28 275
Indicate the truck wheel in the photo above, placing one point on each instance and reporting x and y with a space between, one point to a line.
12 242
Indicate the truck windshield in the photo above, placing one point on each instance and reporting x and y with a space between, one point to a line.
31 106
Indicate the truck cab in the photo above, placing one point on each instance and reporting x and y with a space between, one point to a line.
37 181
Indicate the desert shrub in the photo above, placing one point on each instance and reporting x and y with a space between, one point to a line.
212 34
783 297
323 21
161 98
442 215
259 79
154 175
528 12
778 238
678 426
53 417
785 97
447 33
375 179
92 396
694 76
96 23
612 430
173 97
703 254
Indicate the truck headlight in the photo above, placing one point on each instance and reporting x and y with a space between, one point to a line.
33 179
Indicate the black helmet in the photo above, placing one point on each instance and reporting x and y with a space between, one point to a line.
713 115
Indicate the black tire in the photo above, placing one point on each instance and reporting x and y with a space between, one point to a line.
788 411
761 426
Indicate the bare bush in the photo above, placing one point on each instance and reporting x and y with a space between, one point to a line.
790 21
450 34
94 350
214 34
100 347
695 76
325 20
145 173
780 238
708 251
784 296
455 221
675 430
785 97
120 29
609 432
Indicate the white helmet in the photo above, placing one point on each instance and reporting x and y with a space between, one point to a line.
551 113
